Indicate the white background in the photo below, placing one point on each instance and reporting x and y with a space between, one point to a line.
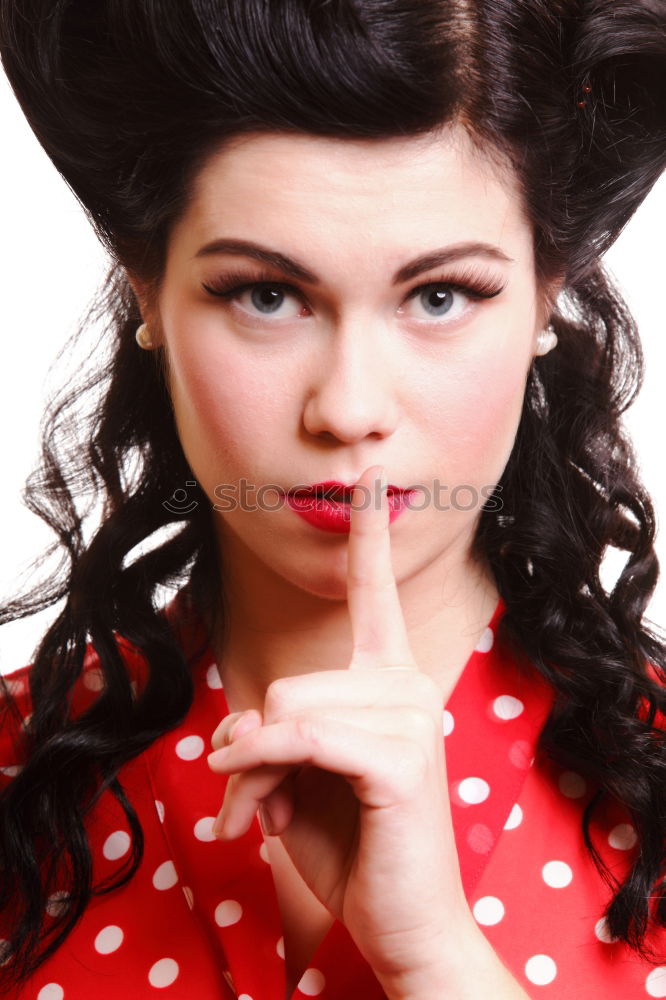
51 265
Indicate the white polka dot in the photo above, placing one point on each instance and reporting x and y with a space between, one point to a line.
311 982
244 996
5 951
556 874
93 679
203 828
515 818
263 853
90 657
622 837
540 970
488 910
165 876
213 679
447 722
163 973
109 940
57 904
11 770
228 912
572 785
116 845
187 892
473 790
480 838
520 754
52 991
160 809
655 984
507 707
279 947
485 643
190 747
602 932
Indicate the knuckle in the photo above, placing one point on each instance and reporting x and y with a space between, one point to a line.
307 730
220 737
409 771
278 697
253 741
363 578
419 722
370 643
357 579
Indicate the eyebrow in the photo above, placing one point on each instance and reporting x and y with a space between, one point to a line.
292 267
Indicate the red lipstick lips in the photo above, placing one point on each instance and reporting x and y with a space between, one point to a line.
326 505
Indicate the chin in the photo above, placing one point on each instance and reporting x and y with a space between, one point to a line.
327 582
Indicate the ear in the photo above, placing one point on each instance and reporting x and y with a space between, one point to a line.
146 300
548 296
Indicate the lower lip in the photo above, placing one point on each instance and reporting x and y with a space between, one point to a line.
335 516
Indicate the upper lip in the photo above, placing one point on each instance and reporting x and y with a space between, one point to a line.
334 490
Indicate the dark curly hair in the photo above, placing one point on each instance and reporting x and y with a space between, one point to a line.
129 98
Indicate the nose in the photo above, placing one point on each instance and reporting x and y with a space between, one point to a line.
353 392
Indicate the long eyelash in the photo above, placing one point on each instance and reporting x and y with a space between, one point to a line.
474 284
234 282
471 283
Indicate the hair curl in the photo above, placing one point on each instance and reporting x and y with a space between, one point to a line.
129 98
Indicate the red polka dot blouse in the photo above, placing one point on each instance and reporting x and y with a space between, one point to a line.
200 919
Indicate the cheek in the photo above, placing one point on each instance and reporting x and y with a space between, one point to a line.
477 413
216 396
224 412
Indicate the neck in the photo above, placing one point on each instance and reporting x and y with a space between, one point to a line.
266 628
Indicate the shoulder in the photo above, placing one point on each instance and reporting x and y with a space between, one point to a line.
657 677
16 705
15 712
185 622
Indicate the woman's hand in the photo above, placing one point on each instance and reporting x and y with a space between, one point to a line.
348 767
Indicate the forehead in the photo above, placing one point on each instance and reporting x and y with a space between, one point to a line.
386 196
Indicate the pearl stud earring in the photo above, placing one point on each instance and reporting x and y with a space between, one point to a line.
143 337
546 341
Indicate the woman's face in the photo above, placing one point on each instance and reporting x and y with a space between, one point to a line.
372 351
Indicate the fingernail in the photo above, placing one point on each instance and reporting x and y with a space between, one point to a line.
265 821
218 825
245 724
217 758
237 727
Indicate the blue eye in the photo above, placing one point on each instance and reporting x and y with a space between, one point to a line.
261 296
266 298
257 297
440 300
437 299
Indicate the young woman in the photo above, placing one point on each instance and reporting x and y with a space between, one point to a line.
363 409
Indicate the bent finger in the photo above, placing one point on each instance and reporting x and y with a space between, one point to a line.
243 795
234 725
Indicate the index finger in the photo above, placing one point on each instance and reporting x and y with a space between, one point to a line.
379 631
